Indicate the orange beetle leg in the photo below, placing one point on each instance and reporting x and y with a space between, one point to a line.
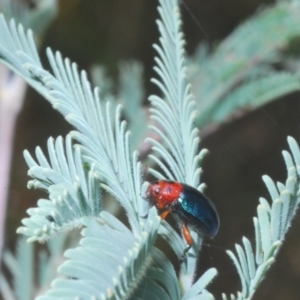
186 234
164 214
188 238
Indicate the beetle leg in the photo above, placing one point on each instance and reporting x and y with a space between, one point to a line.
186 234
164 214
188 238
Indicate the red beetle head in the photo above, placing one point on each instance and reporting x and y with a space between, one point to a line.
153 192
163 193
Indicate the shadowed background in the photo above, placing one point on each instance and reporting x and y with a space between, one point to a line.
108 32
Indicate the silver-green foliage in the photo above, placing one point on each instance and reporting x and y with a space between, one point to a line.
129 92
271 225
175 114
19 265
28 281
73 193
38 14
241 73
108 253
112 262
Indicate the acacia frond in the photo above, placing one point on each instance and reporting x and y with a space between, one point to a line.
131 94
39 268
73 191
105 148
177 154
175 112
99 269
271 224
104 142
240 63
252 95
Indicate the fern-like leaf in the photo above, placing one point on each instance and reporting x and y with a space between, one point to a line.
178 156
197 291
39 269
271 225
252 95
70 93
131 94
175 114
101 269
73 193
104 145
240 63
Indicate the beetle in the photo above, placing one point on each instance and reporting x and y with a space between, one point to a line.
191 206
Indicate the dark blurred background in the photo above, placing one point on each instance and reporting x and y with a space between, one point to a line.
107 32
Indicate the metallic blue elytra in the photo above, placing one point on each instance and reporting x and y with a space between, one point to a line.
195 209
